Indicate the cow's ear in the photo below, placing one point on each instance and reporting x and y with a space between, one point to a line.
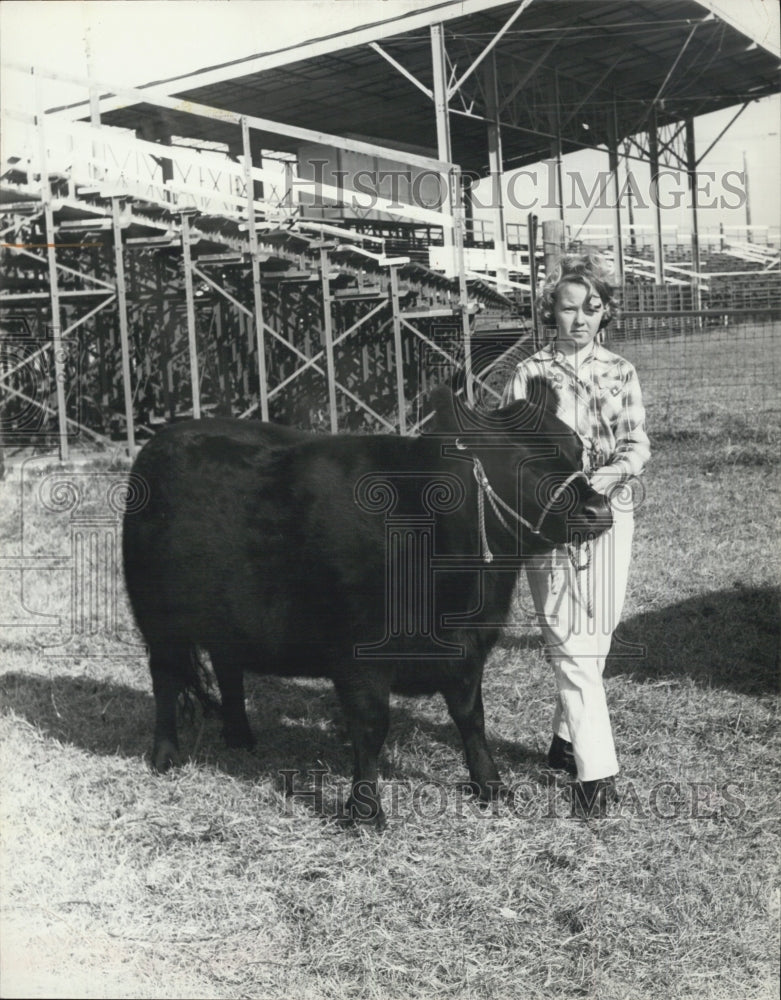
541 393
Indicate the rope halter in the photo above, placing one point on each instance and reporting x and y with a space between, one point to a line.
485 490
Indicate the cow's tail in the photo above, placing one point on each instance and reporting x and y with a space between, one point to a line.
199 686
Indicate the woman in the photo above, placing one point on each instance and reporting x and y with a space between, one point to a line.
578 591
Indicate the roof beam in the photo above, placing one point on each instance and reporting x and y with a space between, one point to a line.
637 128
726 128
489 47
131 95
591 90
528 75
329 44
402 69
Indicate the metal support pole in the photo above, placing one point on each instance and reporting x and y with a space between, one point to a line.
328 333
691 168
467 200
531 239
96 172
439 68
618 245
748 198
496 167
630 209
119 271
258 189
287 204
439 72
557 126
398 352
653 155
187 266
460 266
256 287
54 295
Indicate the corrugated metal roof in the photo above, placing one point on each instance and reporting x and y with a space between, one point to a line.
582 65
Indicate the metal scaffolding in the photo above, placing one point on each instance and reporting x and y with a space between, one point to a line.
199 264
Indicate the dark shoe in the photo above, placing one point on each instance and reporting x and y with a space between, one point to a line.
561 756
592 799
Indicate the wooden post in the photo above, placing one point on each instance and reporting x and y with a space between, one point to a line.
552 243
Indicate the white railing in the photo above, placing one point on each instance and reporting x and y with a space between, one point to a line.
114 161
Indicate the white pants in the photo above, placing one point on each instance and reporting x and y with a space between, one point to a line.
579 608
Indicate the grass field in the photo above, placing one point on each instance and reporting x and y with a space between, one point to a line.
211 883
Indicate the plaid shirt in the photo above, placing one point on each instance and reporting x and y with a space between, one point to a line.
601 402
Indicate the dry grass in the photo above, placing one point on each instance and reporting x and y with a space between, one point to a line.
210 883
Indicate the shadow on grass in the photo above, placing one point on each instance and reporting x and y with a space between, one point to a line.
509 755
726 639
297 725
293 725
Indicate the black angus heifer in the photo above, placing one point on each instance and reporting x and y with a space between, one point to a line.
385 563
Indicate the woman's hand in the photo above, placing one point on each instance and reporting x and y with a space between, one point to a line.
605 481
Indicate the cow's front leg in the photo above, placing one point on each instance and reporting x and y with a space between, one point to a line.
365 697
465 701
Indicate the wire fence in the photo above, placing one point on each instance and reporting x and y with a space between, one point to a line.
700 377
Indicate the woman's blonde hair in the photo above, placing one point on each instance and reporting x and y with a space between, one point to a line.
588 269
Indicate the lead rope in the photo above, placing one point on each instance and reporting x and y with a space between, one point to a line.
485 551
572 551
484 489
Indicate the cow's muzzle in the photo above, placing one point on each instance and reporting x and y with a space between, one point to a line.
594 515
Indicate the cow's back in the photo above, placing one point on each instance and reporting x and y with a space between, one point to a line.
252 539
214 508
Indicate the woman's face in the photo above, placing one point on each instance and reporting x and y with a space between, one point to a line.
578 312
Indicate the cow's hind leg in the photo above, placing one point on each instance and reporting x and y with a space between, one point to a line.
169 664
465 701
365 701
228 666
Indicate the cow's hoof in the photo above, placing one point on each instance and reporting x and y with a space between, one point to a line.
165 755
363 814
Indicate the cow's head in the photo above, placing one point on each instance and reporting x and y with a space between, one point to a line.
525 457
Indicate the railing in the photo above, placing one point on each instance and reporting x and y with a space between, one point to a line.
115 161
